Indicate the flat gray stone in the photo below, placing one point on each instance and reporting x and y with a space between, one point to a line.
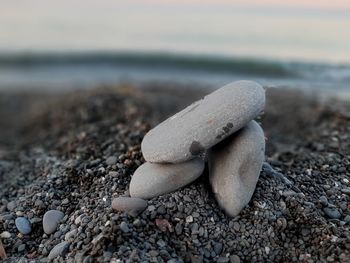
124 227
346 190
203 124
51 220
332 212
69 236
11 205
23 225
235 259
131 205
152 179
111 160
234 168
59 250
5 234
21 248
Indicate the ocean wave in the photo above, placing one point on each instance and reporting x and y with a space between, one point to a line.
154 60
181 62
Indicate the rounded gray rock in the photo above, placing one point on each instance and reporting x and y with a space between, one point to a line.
124 227
234 168
111 160
131 205
152 179
59 250
203 124
23 225
11 205
51 220
332 212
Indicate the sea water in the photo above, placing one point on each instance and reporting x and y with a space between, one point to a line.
81 44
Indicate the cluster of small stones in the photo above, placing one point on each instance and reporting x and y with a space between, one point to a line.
220 127
50 223
88 154
52 206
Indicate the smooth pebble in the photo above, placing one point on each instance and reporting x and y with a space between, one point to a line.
332 212
23 225
124 227
5 234
11 205
59 250
111 160
234 168
151 179
69 236
21 248
51 220
235 259
131 205
203 124
323 200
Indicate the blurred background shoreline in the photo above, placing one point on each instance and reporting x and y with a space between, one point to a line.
62 71
69 45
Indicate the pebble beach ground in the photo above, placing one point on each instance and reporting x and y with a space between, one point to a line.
78 151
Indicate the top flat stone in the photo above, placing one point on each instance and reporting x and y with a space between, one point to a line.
198 127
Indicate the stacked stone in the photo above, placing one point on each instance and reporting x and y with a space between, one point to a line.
221 129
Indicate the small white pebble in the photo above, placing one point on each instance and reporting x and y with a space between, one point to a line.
5 234
304 257
283 205
151 208
270 231
19 213
334 238
260 205
189 219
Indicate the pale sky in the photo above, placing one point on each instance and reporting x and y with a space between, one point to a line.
49 5
296 29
